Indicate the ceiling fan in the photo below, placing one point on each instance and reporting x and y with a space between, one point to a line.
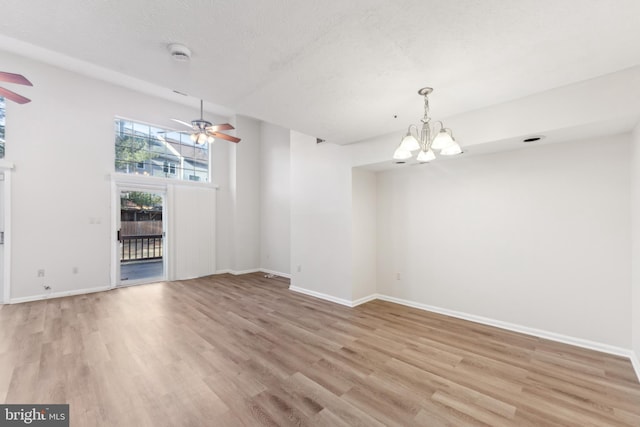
14 78
205 131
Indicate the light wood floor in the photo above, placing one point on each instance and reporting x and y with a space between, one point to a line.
245 350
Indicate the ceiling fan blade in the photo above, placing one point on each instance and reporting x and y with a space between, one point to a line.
14 78
183 123
216 128
223 136
6 93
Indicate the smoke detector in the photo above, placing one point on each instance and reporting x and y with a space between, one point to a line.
179 52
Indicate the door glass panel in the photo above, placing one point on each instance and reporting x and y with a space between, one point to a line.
141 237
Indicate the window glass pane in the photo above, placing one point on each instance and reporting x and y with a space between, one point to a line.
149 150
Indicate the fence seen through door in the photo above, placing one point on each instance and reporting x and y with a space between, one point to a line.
141 240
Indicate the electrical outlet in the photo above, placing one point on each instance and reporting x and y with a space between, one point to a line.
397 276
41 272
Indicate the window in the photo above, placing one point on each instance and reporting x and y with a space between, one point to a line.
2 124
169 168
144 149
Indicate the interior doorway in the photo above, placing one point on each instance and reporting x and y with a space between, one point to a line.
141 236
4 296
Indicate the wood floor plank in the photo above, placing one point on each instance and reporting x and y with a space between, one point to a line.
245 351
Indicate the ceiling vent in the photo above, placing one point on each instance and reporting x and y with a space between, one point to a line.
180 52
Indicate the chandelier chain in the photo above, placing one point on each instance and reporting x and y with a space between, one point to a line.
425 119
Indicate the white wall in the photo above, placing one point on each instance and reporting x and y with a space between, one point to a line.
364 233
537 237
224 205
635 236
245 194
274 199
62 147
320 217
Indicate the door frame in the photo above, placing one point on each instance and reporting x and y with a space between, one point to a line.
5 285
118 186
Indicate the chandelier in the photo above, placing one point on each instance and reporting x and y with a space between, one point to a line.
426 139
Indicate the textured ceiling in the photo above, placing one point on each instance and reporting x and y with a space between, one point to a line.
341 70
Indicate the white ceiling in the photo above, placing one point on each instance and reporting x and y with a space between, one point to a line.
341 70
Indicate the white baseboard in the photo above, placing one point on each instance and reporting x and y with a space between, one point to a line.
322 296
364 300
636 364
254 270
276 273
552 336
237 272
59 294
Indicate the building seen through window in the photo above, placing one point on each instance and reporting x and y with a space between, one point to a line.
143 149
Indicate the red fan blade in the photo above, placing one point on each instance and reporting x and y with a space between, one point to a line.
6 93
223 136
216 128
14 78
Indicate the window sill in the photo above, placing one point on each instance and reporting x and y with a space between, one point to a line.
154 181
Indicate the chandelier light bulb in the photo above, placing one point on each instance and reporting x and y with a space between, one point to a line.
410 143
442 140
451 150
425 156
401 154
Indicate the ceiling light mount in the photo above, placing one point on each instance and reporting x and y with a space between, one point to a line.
180 52
425 91
425 138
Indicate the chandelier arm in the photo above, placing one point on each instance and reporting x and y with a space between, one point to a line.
442 128
417 132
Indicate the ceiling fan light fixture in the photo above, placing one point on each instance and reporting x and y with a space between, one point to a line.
204 131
